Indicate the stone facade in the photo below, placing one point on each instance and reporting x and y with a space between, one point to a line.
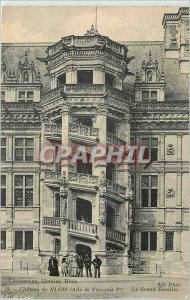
93 91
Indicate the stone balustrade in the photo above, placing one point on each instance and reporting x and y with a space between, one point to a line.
83 227
82 130
115 188
52 176
115 235
86 90
52 128
71 42
81 178
114 140
52 221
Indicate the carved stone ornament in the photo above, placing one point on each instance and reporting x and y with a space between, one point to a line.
103 208
170 193
170 150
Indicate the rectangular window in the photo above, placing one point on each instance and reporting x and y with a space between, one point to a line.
153 241
153 96
25 96
23 190
145 95
169 241
85 76
109 79
23 240
3 190
57 205
151 148
18 240
30 96
149 190
3 149
2 95
144 241
148 241
149 95
61 79
28 240
3 239
24 149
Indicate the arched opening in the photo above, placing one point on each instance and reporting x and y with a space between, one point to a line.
83 250
83 210
87 121
84 167
149 76
110 172
57 205
110 220
61 79
111 126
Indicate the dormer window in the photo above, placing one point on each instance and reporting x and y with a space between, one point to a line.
85 76
25 96
149 95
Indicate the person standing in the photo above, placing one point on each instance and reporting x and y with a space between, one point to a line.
87 264
97 264
55 263
80 264
64 266
74 267
51 266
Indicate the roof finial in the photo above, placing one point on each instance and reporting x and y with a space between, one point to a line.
150 56
26 56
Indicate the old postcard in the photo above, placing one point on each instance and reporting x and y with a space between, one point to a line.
94 152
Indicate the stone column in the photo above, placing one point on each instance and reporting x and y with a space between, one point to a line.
99 75
9 196
36 239
64 195
65 136
162 147
179 146
99 165
179 189
161 191
161 243
9 148
177 237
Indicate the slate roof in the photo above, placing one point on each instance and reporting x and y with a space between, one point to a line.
176 83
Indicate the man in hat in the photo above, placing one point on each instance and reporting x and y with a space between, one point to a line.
87 264
97 264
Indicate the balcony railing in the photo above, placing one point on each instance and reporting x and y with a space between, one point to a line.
82 130
115 188
52 221
83 227
83 178
112 139
52 128
115 235
86 41
52 176
86 90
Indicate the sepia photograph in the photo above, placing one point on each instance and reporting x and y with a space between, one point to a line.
94 151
